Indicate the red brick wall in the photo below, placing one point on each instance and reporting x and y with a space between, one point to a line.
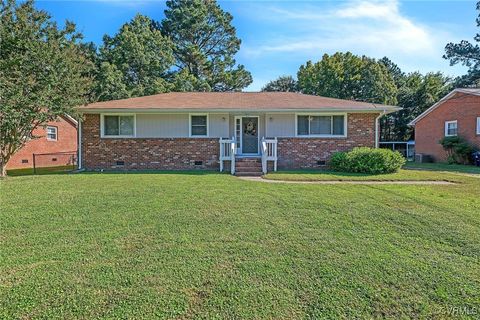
431 129
305 152
66 142
141 153
181 153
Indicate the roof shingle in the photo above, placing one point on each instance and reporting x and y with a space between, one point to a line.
234 100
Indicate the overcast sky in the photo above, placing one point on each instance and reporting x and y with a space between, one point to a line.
279 36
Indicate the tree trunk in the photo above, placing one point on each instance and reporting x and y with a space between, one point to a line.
3 170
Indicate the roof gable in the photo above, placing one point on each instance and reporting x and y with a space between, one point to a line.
465 91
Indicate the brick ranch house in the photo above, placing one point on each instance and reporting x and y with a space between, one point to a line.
458 113
55 145
237 131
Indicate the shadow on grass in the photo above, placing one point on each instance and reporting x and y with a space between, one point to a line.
70 170
40 171
442 166
198 172
330 172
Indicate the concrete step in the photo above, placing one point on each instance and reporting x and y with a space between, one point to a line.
248 174
248 169
248 160
248 165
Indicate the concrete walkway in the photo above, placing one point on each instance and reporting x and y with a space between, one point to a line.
369 182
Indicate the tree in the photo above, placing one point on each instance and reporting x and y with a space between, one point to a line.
467 54
205 43
44 73
347 76
134 62
417 93
283 84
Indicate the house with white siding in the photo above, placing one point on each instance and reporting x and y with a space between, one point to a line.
245 133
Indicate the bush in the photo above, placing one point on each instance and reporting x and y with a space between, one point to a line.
367 160
458 149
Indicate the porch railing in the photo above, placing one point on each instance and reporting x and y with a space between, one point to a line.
269 153
227 153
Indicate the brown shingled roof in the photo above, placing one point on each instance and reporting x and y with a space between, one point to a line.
234 101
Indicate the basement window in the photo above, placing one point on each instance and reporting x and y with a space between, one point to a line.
198 163
24 160
120 163
321 163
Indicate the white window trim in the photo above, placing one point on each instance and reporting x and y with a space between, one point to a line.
102 125
446 128
190 125
345 125
56 133
478 125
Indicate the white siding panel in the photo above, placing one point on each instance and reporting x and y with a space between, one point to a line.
162 125
280 125
219 125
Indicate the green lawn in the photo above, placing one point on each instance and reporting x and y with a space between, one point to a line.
443 167
207 245
43 170
411 172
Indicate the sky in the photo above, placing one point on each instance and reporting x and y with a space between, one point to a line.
279 36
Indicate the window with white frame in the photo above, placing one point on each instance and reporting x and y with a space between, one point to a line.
118 125
478 125
321 125
198 125
52 133
451 128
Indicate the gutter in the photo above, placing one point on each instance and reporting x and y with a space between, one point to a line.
79 144
220 110
377 127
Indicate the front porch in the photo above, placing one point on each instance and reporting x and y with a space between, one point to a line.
238 162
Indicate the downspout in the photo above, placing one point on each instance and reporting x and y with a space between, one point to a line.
377 125
79 143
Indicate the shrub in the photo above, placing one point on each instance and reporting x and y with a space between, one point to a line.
458 149
367 160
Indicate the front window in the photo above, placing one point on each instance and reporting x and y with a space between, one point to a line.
313 125
52 133
199 125
451 128
123 126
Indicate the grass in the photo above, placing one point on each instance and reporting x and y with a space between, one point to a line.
423 172
444 167
40 171
212 246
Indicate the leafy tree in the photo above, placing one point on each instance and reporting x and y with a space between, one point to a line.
205 43
347 76
283 84
44 73
467 54
134 62
394 70
416 94
186 82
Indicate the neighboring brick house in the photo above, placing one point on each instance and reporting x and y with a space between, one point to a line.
196 130
55 146
458 113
